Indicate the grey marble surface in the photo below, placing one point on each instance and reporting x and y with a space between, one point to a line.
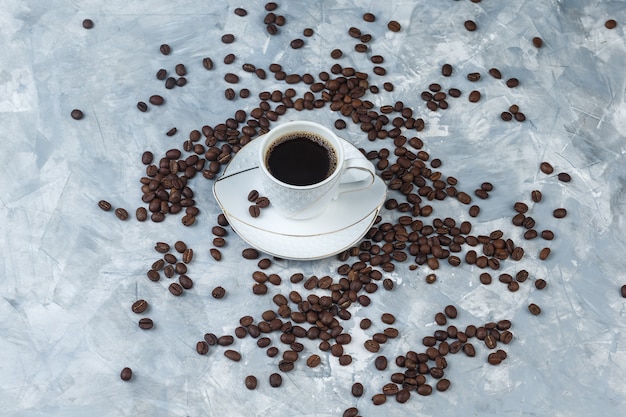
69 272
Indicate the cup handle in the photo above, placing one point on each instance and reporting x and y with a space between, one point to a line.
360 164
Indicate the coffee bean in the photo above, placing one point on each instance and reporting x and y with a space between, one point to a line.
446 70
176 289
216 254
394 26
431 278
211 339
534 309
495 73
473 76
121 213
357 389
336 53
474 96
126 374
313 361
547 235
251 382
424 390
379 399
559 213
520 207
365 323
520 117
610 24
469 350
187 255
308 32
380 363
250 253
536 196
623 291
537 42
297 43
202 347
485 278
228 38
369 17
345 360
153 275
139 306
141 214
442 385
165 49
276 380
145 323
262 202
156 99
218 292
564 177
494 359
506 116
372 345
351 412
470 25
544 253
388 318
88 24
185 282
540 284
451 311
253 195
76 114
225 340
512 82
233 355
254 211
104 205
168 271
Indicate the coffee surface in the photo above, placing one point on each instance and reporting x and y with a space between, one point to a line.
301 159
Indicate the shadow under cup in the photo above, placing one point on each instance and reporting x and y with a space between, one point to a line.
301 164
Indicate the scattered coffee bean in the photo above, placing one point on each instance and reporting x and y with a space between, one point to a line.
202 347
121 213
388 318
379 399
357 389
276 380
537 42
564 177
546 168
185 282
536 196
139 306
218 292
143 107
506 116
176 289
297 43
141 214
250 253
394 26
308 32
313 361
76 114
380 363
88 24
254 210
470 25
446 70
126 374
104 205
216 254
228 38
156 99
534 309
336 53
623 291
512 82
559 213
442 385
233 355
165 49
369 17
474 96
146 323
251 382
544 253
610 24
495 73
540 284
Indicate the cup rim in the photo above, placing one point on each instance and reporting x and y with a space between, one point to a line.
334 141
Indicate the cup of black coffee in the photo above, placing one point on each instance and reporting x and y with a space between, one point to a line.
304 167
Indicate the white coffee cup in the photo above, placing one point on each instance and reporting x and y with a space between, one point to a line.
286 180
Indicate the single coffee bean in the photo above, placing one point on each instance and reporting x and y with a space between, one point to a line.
546 168
76 114
512 82
474 96
308 32
610 24
537 42
495 73
424 390
380 363
560 213
253 195
276 380
121 213
469 350
216 254
473 76
442 385
176 289
470 25
141 214
156 99
104 205
379 399
446 70
336 53
251 382
187 255
564 177
218 292
146 323
388 318
369 17
547 235
139 306
165 49
202 347
534 309
540 284
88 24
544 253
250 253
225 340
623 291
233 355
451 311
254 210
297 43
357 389
228 38
365 323
262 202
313 361
536 196
185 282
394 26
506 116
126 374
372 345
231 78
153 275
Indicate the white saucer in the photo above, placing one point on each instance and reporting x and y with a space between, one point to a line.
339 227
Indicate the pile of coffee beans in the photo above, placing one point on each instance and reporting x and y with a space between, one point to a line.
413 238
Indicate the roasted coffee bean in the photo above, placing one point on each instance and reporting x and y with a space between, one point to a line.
446 70
225 340
451 311
231 78
495 73
156 99
536 196
233 355
623 291
262 202
153 275
218 292
276 380
560 213
336 53
537 42
534 309
88 24
610 24
547 235
139 306
121 213
469 350
253 195
169 271
176 289
143 107
540 284
146 323
308 32
431 278
388 318
250 253
473 76
228 38
424 390
254 210
313 361
494 359
544 253
470 25
297 43
365 323
185 282
442 385
216 254
380 363
126 374
506 116
379 399
251 382
202 347
211 339
372 345
546 168
369 17
165 49
104 205
394 26
474 96
76 114
512 82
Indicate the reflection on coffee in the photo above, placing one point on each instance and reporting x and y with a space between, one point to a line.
301 158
